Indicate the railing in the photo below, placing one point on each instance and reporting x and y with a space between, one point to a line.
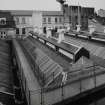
70 90
59 90
50 96
97 36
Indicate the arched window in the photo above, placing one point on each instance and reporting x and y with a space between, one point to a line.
17 20
23 20
2 21
49 20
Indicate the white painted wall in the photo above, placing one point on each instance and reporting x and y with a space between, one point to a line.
37 19
53 24
28 19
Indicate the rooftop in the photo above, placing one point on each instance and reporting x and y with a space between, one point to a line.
29 12
52 13
6 79
53 65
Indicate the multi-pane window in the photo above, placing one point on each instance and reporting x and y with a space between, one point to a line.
23 20
17 20
56 20
17 30
49 20
44 20
23 31
60 20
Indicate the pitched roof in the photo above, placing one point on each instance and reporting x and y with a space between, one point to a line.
19 12
29 12
52 13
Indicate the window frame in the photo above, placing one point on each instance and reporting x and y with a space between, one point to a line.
56 20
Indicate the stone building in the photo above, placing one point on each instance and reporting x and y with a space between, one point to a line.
23 21
53 19
7 23
77 15
26 20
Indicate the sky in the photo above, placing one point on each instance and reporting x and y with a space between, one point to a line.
47 4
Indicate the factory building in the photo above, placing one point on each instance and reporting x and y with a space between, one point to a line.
77 15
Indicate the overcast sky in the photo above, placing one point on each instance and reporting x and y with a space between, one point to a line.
46 4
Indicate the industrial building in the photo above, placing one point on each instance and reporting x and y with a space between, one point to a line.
77 15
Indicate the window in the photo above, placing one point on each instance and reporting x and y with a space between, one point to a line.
23 31
23 20
17 31
60 20
44 20
56 20
49 20
17 20
2 21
